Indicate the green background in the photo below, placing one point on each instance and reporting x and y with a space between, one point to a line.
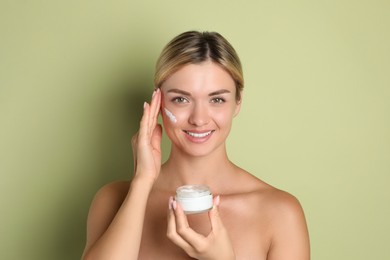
315 119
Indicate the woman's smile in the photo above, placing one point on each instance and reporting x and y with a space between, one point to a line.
198 137
199 134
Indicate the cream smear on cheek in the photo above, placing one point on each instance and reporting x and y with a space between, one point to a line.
170 115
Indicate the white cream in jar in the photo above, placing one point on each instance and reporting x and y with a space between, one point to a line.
194 198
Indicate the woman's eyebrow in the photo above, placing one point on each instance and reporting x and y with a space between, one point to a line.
182 92
179 91
219 92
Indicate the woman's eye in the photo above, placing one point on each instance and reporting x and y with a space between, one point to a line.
180 100
218 100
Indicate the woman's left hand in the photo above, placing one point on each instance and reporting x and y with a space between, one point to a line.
216 245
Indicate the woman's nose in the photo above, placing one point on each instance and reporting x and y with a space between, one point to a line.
199 115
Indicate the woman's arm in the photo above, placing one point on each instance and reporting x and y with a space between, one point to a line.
290 238
114 233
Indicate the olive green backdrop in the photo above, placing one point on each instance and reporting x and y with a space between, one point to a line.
315 119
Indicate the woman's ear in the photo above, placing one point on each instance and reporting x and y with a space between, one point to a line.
238 105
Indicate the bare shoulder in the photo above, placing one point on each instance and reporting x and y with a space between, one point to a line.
282 203
280 216
114 191
275 201
286 223
289 233
106 202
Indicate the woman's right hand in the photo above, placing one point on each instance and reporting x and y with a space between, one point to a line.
216 245
146 143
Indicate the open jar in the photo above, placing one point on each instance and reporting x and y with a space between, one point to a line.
194 198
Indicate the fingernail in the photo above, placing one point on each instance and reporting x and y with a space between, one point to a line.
154 92
144 104
170 202
174 205
217 200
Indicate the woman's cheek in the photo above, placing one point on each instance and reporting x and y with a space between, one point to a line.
172 118
222 117
176 117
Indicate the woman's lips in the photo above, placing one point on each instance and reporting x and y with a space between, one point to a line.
197 136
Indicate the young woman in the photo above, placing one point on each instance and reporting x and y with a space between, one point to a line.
198 87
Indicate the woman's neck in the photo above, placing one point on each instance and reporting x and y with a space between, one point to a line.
183 169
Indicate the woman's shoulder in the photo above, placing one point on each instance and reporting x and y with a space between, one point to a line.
275 214
109 198
267 198
113 191
115 186
281 203
278 214
105 204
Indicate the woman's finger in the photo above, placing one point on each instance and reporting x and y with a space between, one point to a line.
171 229
154 108
134 144
143 128
156 137
215 219
185 231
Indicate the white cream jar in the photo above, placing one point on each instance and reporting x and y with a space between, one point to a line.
194 198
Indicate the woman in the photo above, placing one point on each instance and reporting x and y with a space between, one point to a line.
198 87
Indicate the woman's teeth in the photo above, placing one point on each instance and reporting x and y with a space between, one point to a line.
198 135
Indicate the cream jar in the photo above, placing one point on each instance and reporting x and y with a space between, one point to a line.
194 198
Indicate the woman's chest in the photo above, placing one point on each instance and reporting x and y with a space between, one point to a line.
249 236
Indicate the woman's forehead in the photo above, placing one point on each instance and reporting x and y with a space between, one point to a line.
204 77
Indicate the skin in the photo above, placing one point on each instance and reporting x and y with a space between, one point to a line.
140 220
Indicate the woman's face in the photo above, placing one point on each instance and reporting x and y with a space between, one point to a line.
198 106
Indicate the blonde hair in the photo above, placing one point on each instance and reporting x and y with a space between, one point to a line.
194 47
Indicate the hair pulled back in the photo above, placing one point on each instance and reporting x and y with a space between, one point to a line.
193 47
